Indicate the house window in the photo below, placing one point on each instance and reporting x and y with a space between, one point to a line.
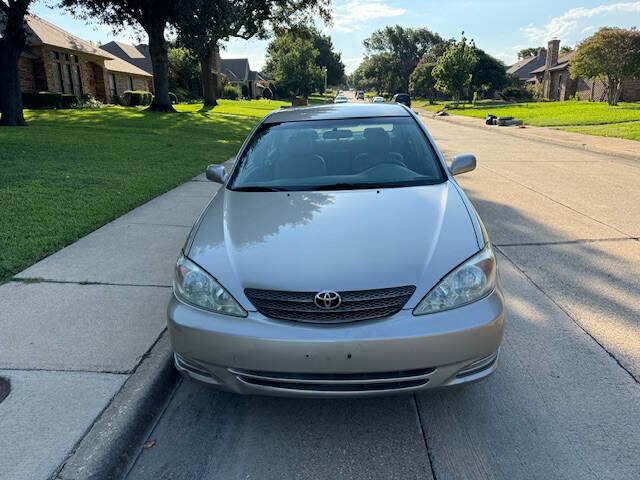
112 86
130 82
66 78
66 73
57 77
77 80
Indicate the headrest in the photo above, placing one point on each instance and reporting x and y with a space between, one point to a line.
377 135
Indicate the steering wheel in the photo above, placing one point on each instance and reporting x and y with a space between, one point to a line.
389 161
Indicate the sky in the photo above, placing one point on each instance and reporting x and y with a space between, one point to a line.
499 27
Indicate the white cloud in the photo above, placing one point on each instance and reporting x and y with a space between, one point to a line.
567 23
588 29
350 64
354 14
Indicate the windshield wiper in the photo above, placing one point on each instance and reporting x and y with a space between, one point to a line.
347 186
259 188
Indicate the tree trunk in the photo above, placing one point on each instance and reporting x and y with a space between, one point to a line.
613 91
11 45
159 60
618 92
209 79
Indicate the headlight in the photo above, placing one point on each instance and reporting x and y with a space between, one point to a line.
471 281
195 286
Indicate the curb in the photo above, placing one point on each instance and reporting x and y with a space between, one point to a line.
539 138
112 443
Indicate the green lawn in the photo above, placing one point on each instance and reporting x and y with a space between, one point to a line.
321 98
551 114
72 171
628 130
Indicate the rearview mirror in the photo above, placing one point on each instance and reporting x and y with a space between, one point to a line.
216 173
463 163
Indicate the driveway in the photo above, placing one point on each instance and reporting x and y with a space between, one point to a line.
565 401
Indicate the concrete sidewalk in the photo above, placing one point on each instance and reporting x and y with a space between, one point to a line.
619 147
78 323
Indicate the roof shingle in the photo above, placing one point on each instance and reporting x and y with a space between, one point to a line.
41 32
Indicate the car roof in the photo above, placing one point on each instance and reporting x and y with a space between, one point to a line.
336 112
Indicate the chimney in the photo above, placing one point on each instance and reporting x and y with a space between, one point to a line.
553 48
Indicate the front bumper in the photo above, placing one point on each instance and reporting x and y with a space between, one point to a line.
401 353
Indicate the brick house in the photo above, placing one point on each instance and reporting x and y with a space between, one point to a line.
57 61
557 84
239 74
137 55
523 69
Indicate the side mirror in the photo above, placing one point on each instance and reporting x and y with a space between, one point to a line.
463 163
216 173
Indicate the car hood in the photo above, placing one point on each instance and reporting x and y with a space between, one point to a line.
336 240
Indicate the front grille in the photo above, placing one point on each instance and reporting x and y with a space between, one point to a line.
338 387
336 382
356 305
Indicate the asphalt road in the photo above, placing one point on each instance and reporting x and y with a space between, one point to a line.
565 400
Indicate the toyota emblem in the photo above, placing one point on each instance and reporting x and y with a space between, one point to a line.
327 300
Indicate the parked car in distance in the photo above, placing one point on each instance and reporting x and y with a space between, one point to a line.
340 99
377 100
359 95
339 258
402 98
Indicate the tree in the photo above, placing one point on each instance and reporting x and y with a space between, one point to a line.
153 16
565 49
422 83
291 63
328 58
454 70
403 48
12 42
611 55
489 74
184 68
203 24
357 79
530 52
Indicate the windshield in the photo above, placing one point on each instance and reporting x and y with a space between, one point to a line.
381 152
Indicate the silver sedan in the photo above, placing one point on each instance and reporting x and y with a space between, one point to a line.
340 258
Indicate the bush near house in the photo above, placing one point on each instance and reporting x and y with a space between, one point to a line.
68 101
134 98
38 100
230 92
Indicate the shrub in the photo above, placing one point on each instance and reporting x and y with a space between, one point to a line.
88 101
41 100
173 97
134 98
517 93
183 94
68 100
536 90
230 92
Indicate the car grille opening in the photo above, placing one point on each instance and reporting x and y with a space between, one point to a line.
339 387
336 382
356 305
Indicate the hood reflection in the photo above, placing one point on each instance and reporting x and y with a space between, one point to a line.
253 217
